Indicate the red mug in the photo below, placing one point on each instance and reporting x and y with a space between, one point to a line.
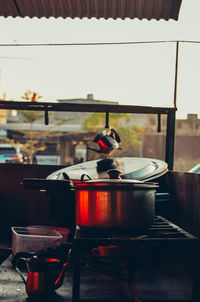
43 275
107 253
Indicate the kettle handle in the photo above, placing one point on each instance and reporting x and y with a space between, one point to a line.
116 135
18 270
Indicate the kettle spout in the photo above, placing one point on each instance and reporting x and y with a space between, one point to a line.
59 281
98 151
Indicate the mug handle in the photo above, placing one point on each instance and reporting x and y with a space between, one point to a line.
61 276
18 270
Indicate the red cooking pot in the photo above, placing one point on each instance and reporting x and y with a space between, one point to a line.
115 203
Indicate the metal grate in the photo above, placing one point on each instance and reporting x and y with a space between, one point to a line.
161 229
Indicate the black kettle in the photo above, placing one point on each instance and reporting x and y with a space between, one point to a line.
107 140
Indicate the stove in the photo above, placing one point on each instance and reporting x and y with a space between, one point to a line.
162 239
162 229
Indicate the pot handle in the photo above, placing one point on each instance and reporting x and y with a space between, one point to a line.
66 176
44 184
83 175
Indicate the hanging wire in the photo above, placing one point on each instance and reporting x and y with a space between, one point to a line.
92 43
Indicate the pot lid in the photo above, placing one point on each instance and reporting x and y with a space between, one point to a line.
137 168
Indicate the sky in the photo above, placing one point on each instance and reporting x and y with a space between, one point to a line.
136 74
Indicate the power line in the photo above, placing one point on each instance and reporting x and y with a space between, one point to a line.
82 44
24 59
93 43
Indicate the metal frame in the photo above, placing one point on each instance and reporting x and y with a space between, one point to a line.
107 108
176 243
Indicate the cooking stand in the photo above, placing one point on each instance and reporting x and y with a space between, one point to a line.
163 238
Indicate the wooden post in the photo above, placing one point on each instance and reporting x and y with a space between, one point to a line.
107 119
171 118
176 74
159 123
170 137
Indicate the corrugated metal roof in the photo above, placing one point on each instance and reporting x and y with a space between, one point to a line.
141 9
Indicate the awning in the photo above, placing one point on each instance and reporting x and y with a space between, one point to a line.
141 9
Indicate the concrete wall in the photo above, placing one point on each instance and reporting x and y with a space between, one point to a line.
154 146
186 152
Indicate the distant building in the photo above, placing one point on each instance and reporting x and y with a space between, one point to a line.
187 140
190 125
78 117
3 116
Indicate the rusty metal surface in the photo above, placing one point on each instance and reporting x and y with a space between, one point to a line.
141 9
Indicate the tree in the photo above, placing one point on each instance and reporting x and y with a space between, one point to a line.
32 145
36 140
130 135
31 96
131 140
96 121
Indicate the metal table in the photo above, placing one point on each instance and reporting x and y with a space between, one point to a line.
162 239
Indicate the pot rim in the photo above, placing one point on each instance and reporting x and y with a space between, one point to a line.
114 184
